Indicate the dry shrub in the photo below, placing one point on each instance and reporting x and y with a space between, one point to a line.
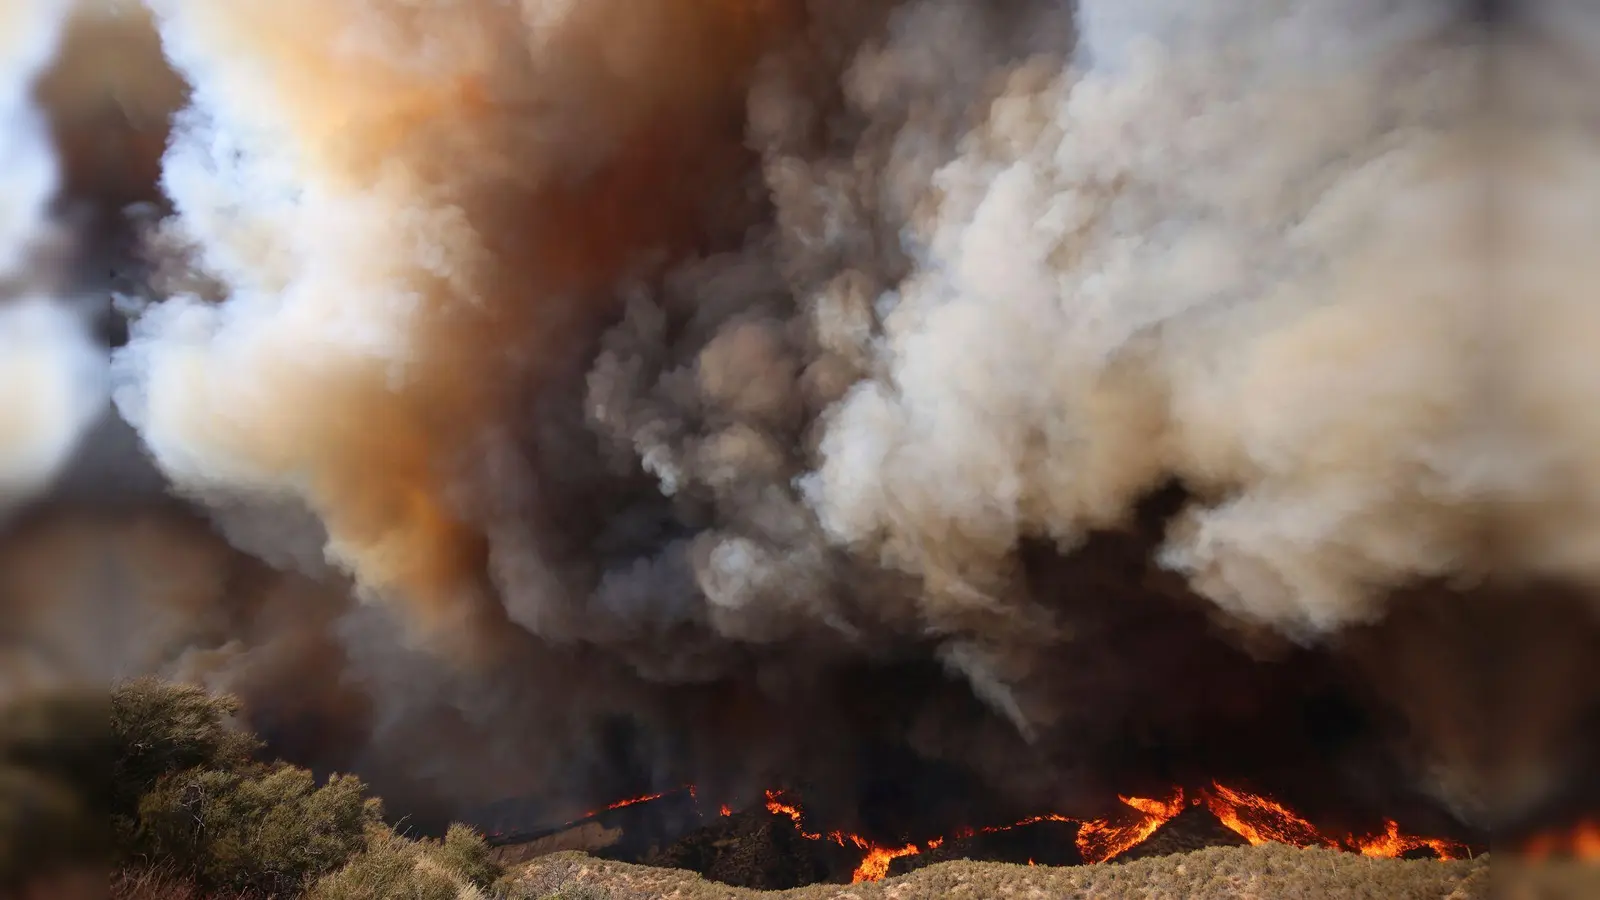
270 829
160 884
201 820
466 852
159 728
394 867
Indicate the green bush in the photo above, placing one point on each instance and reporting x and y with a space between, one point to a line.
158 728
270 829
196 816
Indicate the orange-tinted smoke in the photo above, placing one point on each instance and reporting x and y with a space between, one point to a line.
110 96
534 160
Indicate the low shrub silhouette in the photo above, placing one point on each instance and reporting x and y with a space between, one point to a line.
195 815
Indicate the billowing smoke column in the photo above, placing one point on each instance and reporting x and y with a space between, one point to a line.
692 361
31 31
1040 290
52 374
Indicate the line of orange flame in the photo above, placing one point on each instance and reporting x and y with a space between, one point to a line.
1261 820
1258 819
631 801
1098 839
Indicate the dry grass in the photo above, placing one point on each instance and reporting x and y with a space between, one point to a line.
162 884
395 868
1547 881
1267 873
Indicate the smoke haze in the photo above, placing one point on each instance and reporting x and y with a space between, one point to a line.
52 375
1017 382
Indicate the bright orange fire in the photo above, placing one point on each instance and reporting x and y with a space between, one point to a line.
631 801
1392 843
1262 820
635 800
876 865
1098 839
1258 819
777 807
1582 842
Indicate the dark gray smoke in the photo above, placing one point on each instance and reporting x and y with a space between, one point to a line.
762 381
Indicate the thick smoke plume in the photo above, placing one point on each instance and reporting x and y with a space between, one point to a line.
517 367
1006 323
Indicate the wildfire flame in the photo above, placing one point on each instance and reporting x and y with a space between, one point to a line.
1262 820
876 865
1098 839
631 801
1392 843
1256 818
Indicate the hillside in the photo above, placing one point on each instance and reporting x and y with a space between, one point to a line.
1273 871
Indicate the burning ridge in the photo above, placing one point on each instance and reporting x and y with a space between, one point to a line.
1254 818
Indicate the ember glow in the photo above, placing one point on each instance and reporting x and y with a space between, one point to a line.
1581 842
634 800
631 801
876 864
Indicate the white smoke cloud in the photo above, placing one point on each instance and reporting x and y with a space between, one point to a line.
29 30
52 388
700 334
1141 259
52 380
1175 262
